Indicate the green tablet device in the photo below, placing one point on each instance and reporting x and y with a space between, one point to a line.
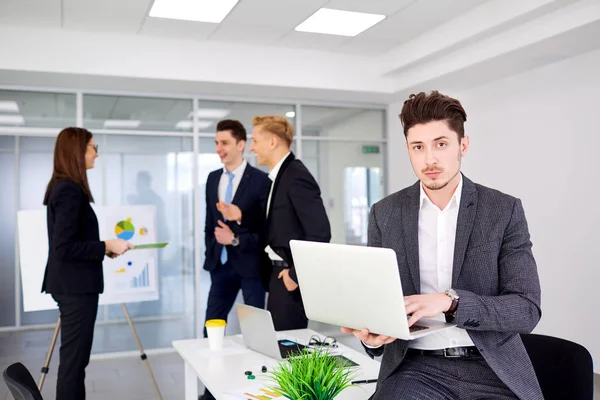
150 246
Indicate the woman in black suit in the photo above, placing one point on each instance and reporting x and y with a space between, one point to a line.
74 270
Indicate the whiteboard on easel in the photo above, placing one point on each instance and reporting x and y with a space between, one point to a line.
130 278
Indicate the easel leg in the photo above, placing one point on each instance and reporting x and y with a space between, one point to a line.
142 354
46 366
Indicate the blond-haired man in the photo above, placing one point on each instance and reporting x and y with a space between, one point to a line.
294 211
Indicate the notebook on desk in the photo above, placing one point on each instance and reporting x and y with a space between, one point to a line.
357 287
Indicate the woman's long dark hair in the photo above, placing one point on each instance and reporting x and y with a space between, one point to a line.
69 160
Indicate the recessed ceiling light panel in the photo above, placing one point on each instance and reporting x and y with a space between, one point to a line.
339 22
213 11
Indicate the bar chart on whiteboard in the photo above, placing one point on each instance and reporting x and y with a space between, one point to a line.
142 280
132 273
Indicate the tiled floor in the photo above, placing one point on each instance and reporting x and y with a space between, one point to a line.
122 378
116 379
119 378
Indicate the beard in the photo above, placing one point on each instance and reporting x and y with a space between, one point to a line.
436 185
440 185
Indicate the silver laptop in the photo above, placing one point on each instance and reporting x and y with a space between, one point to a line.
259 333
357 287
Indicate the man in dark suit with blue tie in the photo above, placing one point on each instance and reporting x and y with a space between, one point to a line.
232 252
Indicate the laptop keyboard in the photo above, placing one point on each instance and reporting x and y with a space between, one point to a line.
416 328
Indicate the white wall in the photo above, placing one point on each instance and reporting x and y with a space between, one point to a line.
399 171
535 136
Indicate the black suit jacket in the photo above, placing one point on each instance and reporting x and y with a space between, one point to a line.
251 193
296 212
75 251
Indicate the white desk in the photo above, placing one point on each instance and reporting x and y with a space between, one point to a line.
224 370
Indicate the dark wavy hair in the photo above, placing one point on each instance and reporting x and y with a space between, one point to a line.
422 108
69 160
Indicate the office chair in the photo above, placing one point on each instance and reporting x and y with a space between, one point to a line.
21 383
564 369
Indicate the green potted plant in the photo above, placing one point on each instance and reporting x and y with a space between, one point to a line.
312 375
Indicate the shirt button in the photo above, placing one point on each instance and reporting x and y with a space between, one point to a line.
454 342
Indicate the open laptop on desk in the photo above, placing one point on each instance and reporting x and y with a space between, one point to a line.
259 333
357 287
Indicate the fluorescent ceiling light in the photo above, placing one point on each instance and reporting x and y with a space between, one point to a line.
209 113
339 22
290 114
121 123
187 124
12 120
9 106
193 10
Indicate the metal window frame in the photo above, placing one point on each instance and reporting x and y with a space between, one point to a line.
80 94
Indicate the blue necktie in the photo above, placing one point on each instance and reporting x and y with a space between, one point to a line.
228 196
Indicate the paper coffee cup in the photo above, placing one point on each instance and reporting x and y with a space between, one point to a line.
215 329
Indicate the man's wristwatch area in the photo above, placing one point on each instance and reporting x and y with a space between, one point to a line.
454 306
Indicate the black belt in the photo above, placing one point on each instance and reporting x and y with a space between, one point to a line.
452 352
280 264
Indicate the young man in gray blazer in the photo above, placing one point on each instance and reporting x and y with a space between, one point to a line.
464 255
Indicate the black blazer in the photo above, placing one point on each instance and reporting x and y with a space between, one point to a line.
75 251
252 192
296 212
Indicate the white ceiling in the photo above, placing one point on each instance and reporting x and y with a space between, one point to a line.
422 44
257 22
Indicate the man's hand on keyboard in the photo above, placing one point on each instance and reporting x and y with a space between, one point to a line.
368 338
426 306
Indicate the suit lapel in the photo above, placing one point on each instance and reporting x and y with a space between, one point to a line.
277 182
215 193
215 186
410 227
464 226
243 184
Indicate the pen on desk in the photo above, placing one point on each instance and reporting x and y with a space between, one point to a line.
365 381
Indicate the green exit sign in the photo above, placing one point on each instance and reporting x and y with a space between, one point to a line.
370 149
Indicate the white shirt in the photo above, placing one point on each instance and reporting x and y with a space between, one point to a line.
237 178
273 175
437 234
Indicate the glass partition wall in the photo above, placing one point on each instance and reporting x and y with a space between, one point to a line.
157 150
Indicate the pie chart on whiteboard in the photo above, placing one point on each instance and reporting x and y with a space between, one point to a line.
125 229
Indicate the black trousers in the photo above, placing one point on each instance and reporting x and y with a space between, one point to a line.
286 307
77 320
224 288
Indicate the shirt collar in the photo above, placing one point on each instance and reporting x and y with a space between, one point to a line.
424 199
239 171
273 173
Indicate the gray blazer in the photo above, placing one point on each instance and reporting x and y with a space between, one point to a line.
494 273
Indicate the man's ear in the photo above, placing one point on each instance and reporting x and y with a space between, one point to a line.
464 145
274 141
241 145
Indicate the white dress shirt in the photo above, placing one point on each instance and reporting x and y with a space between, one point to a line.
273 175
437 233
237 178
